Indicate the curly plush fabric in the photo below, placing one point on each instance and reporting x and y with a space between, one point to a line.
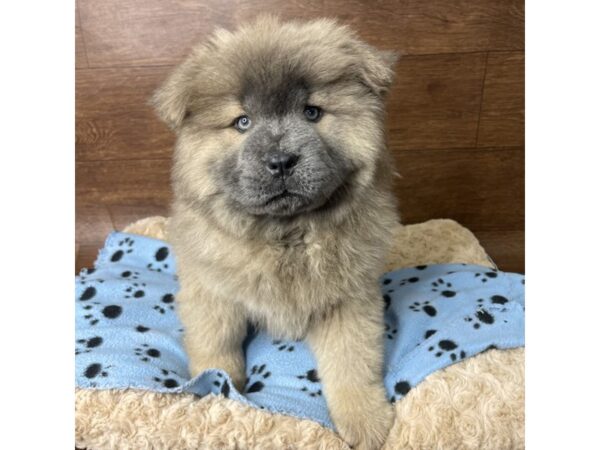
477 403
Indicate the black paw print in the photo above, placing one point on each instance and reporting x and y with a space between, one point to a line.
167 301
422 267
313 377
158 265
256 372
130 274
425 307
135 290
282 346
389 332
223 384
408 280
146 352
168 382
429 333
481 316
387 301
498 300
141 329
441 286
88 344
386 281
124 248
84 275
88 294
96 370
446 346
401 388
110 312
493 273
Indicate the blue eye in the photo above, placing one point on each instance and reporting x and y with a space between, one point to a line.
242 123
313 113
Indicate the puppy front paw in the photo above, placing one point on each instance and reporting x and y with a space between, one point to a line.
363 418
232 364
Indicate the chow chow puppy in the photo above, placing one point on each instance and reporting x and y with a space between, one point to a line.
282 209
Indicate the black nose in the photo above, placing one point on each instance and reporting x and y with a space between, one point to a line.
280 164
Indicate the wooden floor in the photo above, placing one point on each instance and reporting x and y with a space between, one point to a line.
456 112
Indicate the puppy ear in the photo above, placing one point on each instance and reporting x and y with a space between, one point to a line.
377 68
172 99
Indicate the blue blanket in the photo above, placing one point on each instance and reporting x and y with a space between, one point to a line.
128 334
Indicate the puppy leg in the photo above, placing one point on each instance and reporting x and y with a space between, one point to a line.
348 346
214 329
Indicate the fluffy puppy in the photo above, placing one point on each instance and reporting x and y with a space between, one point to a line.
282 204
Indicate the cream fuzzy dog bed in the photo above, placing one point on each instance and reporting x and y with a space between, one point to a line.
475 404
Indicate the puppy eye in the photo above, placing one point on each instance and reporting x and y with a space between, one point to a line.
313 113
242 123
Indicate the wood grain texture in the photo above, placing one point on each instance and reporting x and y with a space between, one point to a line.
126 183
92 224
80 53
131 32
505 247
502 119
435 101
481 189
114 119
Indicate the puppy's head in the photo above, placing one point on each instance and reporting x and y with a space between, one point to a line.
277 119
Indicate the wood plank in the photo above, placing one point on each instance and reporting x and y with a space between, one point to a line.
123 215
505 247
92 224
435 101
80 53
113 118
136 32
123 182
502 120
483 189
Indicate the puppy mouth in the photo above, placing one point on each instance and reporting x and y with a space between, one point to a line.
285 194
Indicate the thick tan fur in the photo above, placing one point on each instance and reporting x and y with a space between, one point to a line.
475 404
313 276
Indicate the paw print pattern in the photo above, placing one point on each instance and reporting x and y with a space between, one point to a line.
125 247
311 376
485 276
130 274
426 307
146 353
167 302
387 300
254 383
448 346
88 344
222 384
88 294
141 329
167 381
390 332
443 288
84 275
109 312
135 290
283 346
96 370
159 256
408 280
429 333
